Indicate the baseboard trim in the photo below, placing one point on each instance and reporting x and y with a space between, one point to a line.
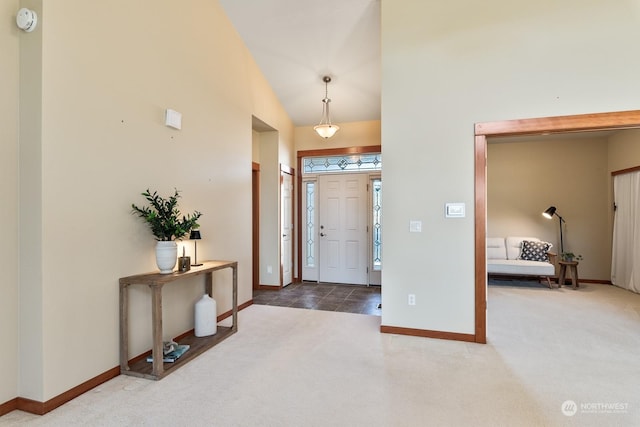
425 333
41 408
9 406
269 287
596 281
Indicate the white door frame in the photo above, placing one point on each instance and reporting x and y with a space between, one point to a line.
286 227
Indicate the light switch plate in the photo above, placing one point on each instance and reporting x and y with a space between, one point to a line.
415 226
454 210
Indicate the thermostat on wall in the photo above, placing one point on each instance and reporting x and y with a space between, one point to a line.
454 210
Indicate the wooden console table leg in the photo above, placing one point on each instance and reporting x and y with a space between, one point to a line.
208 284
124 327
156 321
234 268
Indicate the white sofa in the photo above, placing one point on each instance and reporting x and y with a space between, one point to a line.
504 256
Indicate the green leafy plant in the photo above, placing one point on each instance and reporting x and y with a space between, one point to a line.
164 217
570 256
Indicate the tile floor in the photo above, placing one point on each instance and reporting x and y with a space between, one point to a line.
323 296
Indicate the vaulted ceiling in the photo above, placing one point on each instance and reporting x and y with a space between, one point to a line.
297 42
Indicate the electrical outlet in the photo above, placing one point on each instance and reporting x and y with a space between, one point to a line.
412 299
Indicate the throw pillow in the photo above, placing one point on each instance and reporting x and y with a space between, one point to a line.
535 251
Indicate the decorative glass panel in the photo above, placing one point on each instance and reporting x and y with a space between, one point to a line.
347 163
376 185
310 223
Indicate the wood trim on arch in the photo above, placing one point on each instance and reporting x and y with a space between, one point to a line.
480 233
628 170
561 124
536 126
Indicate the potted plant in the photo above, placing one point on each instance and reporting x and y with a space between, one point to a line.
570 257
167 224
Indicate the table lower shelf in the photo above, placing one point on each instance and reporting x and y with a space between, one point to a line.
198 345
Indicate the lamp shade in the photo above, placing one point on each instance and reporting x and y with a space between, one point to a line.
326 130
195 235
549 212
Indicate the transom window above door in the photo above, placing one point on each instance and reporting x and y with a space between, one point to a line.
344 163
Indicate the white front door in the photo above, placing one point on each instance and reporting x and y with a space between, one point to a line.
342 229
286 184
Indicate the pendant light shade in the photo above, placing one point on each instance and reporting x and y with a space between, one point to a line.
325 129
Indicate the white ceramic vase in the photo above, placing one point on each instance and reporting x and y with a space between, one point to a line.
166 256
206 317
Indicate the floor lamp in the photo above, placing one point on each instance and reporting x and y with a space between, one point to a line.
549 213
195 236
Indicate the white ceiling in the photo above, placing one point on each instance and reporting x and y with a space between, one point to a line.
297 42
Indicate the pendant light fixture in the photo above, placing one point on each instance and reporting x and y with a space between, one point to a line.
325 129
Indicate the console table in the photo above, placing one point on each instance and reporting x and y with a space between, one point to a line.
157 369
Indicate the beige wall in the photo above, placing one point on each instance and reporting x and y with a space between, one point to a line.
9 250
624 150
103 142
448 65
269 209
255 146
351 134
525 178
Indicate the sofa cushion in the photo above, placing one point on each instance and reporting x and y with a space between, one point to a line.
496 248
514 245
535 251
520 267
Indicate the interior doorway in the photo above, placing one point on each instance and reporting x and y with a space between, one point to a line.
539 126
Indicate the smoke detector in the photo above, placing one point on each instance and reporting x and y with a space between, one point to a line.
27 19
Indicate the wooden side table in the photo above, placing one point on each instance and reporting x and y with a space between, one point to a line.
158 369
573 270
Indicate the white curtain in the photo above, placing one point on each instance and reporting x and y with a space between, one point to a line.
625 259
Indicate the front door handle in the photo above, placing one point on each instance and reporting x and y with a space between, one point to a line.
322 234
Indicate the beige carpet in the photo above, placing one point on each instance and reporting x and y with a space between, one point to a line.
296 367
